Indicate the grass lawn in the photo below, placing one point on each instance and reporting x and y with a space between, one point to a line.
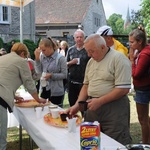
13 133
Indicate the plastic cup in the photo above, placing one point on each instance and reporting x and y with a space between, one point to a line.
43 74
43 82
55 113
71 124
83 106
38 111
78 63
63 117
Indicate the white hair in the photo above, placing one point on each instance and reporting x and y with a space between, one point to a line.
79 30
97 39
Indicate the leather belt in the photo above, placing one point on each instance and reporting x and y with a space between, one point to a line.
75 82
90 97
5 105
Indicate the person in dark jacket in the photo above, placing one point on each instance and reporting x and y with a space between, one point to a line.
77 59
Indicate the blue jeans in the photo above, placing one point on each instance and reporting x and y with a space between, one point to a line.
3 128
142 97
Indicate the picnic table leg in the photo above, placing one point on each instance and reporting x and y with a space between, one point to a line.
20 137
31 143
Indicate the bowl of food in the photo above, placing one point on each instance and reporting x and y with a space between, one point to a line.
138 147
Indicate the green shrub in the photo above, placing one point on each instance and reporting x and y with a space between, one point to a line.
38 42
1 43
31 47
8 45
29 43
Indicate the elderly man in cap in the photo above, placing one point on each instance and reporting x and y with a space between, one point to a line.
107 33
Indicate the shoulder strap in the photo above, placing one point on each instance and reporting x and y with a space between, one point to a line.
57 58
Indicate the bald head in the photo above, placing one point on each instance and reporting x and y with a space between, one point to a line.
95 46
96 39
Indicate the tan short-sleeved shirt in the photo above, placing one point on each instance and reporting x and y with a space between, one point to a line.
113 71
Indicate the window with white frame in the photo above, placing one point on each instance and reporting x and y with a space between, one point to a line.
4 14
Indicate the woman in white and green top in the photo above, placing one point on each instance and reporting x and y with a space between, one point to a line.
53 64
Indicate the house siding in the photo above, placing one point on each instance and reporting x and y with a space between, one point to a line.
11 31
95 9
32 30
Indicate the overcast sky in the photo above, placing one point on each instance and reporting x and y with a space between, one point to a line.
120 6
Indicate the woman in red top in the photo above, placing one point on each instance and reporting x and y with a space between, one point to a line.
140 60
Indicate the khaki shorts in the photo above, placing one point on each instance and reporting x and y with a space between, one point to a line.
114 119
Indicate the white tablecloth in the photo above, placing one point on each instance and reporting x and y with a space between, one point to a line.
53 138
12 121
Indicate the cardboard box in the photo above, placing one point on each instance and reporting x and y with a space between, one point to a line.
90 136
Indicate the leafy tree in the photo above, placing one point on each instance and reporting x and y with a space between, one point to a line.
136 18
117 24
112 21
145 13
142 16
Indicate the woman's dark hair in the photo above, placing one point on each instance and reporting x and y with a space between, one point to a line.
139 34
